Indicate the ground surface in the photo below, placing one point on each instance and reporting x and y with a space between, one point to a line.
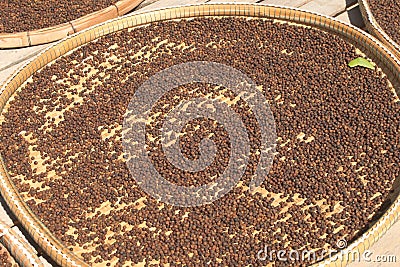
346 10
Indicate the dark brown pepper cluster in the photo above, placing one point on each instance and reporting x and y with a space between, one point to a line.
386 13
337 149
24 15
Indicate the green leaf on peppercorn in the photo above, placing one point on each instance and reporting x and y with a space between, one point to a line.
361 62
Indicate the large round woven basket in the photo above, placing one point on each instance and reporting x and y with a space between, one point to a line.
363 41
55 33
374 28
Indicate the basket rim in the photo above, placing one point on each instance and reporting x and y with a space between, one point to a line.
376 29
59 31
56 250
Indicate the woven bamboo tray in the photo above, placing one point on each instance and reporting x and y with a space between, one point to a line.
20 251
374 28
366 43
55 33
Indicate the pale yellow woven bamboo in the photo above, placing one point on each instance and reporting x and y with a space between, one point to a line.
19 249
55 33
366 43
374 28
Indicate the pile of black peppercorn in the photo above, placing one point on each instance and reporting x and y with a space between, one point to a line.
337 145
386 13
23 15
5 258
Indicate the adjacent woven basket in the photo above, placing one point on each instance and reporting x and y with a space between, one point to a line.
366 43
55 33
10 259
374 28
19 249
